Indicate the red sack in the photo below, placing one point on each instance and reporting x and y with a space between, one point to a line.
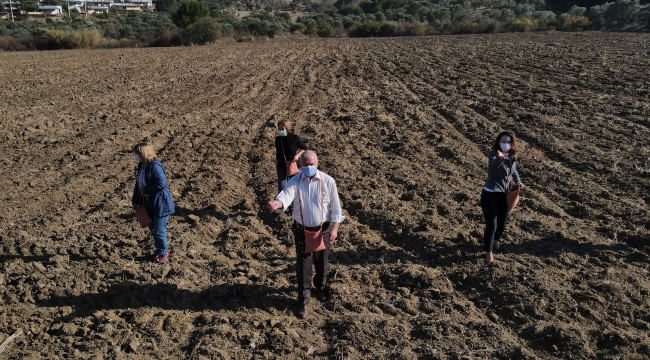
292 168
512 197
512 192
142 215
314 241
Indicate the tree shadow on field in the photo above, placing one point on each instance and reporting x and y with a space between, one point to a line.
557 243
129 295
210 210
26 258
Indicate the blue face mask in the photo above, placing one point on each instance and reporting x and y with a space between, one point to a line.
282 132
309 170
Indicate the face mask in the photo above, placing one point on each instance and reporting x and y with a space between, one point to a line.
137 157
282 132
505 147
309 170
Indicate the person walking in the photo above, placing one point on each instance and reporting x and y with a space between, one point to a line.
316 205
288 148
502 169
152 191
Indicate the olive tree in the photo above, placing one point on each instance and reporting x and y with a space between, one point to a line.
189 13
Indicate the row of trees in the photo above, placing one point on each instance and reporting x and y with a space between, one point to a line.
203 21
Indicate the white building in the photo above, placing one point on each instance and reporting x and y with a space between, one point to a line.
13 3
132 5
50 9
92 6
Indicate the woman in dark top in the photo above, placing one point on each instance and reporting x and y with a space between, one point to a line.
502 168
288 147
151 189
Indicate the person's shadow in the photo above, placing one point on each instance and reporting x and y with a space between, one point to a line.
129 295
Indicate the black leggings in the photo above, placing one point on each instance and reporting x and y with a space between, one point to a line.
495 212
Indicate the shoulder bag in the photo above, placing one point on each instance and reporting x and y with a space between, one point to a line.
142 215
292 166
512 192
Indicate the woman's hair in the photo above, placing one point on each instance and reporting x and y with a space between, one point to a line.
286 124
145 150
515 147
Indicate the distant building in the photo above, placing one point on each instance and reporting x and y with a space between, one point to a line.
132 5
77 7
50 10
98 6
13 3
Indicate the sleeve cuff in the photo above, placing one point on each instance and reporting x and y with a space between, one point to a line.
338 219
285 205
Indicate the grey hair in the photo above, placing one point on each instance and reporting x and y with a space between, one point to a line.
306 154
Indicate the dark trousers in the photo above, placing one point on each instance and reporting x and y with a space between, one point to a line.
304 264
495 212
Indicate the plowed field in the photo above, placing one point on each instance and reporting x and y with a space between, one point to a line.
403 125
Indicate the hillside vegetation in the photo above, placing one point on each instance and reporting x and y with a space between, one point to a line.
175 23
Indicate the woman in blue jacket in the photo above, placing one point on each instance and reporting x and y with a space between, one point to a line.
151 188
502 167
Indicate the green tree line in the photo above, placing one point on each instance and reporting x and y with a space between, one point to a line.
187 22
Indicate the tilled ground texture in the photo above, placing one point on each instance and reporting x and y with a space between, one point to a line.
403 125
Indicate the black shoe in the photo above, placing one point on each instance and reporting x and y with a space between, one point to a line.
321 295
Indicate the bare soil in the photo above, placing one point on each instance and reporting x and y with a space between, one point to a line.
403 125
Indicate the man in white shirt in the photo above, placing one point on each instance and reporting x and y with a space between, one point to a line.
316 205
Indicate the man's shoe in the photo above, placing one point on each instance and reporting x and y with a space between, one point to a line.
303 311
321 295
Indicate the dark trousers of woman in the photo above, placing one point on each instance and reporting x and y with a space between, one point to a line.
304 264
495 212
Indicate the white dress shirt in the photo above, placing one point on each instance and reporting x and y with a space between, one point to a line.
310 197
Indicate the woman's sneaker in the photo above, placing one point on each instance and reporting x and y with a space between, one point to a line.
161 259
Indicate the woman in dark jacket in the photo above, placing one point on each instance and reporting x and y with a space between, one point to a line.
151 188
288 147
502 168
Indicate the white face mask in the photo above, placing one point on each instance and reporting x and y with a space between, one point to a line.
137 157
309 170
505 147
282 132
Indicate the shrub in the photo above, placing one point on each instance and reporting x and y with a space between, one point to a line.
367 29
257 27
321 28
54 39
580 22
169 37
493 27
60 39
346 9
521 25
190 12
204 31
9 43
297 27
414 29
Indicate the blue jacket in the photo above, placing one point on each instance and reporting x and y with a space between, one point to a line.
497 173
157 197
